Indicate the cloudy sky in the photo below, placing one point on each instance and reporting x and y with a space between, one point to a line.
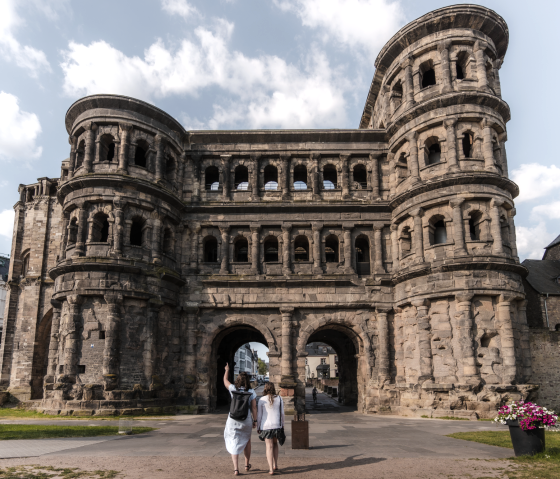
234 64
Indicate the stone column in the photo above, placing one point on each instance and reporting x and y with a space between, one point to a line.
64 240
495 227
452 162
111 352
344 176
525 342
418 235
458 232
507 339
126 128
224 268
512 235
413 157
72 160
225 176
156 237
181 168
444 48
118 227
179 245
191 310
502 139
53 345
72 341
465 335
149 354
348 269
315 174
497 84
424 341
160 160
395 248
195 228
195 162
255 178
82 225
408 82
317 269
378 265
384 373
479 48
286 249
287 353
392 175
285 177
255 249
374 162
487 148
90 141
399 351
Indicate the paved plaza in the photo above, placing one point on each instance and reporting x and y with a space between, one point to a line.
339 439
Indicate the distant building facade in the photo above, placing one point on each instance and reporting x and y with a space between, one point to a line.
320 355
246 360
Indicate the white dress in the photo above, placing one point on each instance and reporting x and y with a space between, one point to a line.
238 433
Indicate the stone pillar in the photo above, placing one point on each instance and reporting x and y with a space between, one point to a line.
512 235
424 340
344 176
160 160
72 341
156 237
73 153
149 354
255 249
317 269
118 226
399 351
487 148
224 268
195 228
507 339
465 335
395 247
348 269
413 157
444 48
255 178
315 174
384 375
64 240
502 139
82 225
418 235
225 176
458 231
179 245
378 264
452 162
286 249
285 177
479 48
497 84
126 128
392 175
495 228
90 141
195 162
111 352
287 353
53 345
525 342
374 162
408 82
191 310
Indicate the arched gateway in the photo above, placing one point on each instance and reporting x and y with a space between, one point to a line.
163 250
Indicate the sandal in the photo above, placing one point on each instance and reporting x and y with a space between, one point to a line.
248 467
236 472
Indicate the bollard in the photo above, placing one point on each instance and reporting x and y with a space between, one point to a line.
300 432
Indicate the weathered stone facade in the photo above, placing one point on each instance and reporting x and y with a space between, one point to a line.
158 252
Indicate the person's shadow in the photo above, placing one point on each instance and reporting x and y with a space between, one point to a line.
329 466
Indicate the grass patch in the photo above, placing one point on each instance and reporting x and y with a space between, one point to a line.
17 413
47 472
423 415
545 465
31 431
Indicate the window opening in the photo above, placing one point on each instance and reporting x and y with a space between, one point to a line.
104 231
73 231
460 74
167 241
474 225
242 250
434 154
101 334
169 168
331 249
100 228
301 251
25 265
270 178
211 250
440 233
360 177
212 178
136 233
110 153
241 181
140 154
329 177
271 250
80 154
467 145
406 241
81 369
300 177
428 78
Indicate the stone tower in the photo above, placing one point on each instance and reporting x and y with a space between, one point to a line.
139 272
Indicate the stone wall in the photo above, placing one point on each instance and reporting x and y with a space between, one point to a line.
545 354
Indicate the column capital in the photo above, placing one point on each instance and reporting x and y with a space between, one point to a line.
285 156
315 156
113 298
512 212
408 61
457 202
255 229
383 309
464 297
286 228
224 230
119 203
159 139
348 228
418 303
75 299
125 126
287 312
450 122
496 202
191 307
378 226
417 212
344 156
226 158
444 45
90 126
506 299
316 227
479 45
485 123
394 227
56 304
72 140
411 136
522 304
377 156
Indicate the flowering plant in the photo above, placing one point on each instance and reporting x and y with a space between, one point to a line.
530 415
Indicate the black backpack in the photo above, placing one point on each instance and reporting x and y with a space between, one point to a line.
239 407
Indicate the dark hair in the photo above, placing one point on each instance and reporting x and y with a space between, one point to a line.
242 381
270 391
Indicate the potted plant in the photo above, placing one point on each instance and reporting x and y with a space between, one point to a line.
527 423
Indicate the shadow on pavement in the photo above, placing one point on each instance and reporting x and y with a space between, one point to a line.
346 463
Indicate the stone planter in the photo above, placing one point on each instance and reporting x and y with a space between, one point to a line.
526 443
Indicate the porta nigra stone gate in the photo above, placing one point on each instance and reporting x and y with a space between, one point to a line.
158 252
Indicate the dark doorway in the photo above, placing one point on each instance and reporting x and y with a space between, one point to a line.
41 356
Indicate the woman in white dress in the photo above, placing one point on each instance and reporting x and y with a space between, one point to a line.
270 424
237 434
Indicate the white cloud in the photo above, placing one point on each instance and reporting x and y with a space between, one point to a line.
263 91
18 130
551 210
51 8
363 24
531 241
7 223
24 56
179 7
535 180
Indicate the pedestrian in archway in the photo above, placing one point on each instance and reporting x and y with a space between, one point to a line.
237 433
271 424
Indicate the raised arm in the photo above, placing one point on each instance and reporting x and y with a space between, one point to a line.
227 384
254 412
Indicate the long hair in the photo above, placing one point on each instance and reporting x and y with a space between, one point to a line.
242 381
270 391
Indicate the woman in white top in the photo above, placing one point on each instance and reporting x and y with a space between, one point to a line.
270 420
237 434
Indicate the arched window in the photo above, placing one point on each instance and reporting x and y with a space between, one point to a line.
428 74
475 220
80 154
107 145
73 231
168 245
300 177
329 177
432 151
210 249
301 248
437 230
241 250
270 178
212 178
459 71
241 181
271 250
100 228
136 232
557 327
25 265
405 240
396 96
331 249
360 176
467 142
141 153
362 255
170 168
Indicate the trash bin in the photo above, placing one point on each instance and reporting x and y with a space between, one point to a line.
300 432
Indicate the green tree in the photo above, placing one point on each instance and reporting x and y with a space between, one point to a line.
263 367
